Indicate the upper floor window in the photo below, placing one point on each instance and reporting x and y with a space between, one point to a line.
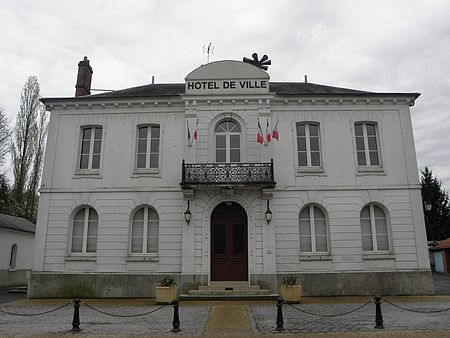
84 231
91 145
308 144
145 231
313 230
148 147
374 230
13 257
228 141
367 144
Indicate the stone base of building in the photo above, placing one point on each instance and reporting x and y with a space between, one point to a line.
13 278
117 285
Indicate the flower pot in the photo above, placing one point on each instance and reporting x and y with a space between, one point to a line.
166 294
291 293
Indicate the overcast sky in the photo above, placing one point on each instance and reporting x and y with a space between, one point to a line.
397 46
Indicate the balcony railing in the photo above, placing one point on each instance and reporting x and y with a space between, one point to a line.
256 174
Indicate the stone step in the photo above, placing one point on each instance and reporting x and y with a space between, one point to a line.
271 296
229 287
229 292
229 283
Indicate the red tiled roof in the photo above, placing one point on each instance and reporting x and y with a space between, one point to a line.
445 244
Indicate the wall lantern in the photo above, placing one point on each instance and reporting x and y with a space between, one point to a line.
187 215
268 213
428 206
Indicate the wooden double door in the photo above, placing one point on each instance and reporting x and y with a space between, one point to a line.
229 248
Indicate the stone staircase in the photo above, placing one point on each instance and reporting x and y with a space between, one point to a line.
229 290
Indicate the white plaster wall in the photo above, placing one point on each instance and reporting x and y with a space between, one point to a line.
340 188
25 245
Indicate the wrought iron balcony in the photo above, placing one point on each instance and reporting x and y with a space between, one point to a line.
251 174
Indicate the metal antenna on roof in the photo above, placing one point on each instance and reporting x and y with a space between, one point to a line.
209 50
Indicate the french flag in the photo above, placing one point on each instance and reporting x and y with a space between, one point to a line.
195 131
268 132
275 131
189 132
260 137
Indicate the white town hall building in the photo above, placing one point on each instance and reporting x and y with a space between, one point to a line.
170 179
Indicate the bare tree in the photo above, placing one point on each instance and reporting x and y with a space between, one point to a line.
5 133
24 140
35 175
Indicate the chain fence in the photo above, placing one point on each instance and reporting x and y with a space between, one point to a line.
121 316
2 310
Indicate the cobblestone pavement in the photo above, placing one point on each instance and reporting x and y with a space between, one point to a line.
195 317
263 317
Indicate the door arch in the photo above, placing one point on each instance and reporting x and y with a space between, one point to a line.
229 243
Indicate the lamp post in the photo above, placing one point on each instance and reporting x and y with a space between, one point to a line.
187 215
268 213
428 227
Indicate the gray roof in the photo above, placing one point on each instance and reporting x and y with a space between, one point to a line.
279 88
16 223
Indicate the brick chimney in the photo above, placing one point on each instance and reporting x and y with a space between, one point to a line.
84 78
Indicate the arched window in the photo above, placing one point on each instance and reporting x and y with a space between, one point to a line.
84 231
145 231
313 230
374 230
228 141
13 257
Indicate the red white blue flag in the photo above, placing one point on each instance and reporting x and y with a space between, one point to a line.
268 136
275 131
188 131
260 137
195 131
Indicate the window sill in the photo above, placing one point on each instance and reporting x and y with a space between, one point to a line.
374 256
370 170
142 259
87 173
315 258
310 171
80 258
146 172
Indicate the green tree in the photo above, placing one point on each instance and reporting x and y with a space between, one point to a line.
437 220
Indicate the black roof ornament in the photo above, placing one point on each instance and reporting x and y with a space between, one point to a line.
263 63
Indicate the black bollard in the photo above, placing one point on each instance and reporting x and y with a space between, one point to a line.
378 315
280 321
76 316
176 317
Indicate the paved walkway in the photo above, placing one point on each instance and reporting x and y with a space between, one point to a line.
230 319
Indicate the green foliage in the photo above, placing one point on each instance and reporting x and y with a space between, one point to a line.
437 220
289 280
167 281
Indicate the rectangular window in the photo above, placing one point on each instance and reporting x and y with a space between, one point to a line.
147 156
366 144
91 145
308 145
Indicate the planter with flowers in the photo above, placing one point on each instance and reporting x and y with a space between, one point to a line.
290 290
166 290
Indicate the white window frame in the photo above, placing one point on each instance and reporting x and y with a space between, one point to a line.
147 169
366 144
227 140
373 229
145 233
95 172
13 257
312 227
85 232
